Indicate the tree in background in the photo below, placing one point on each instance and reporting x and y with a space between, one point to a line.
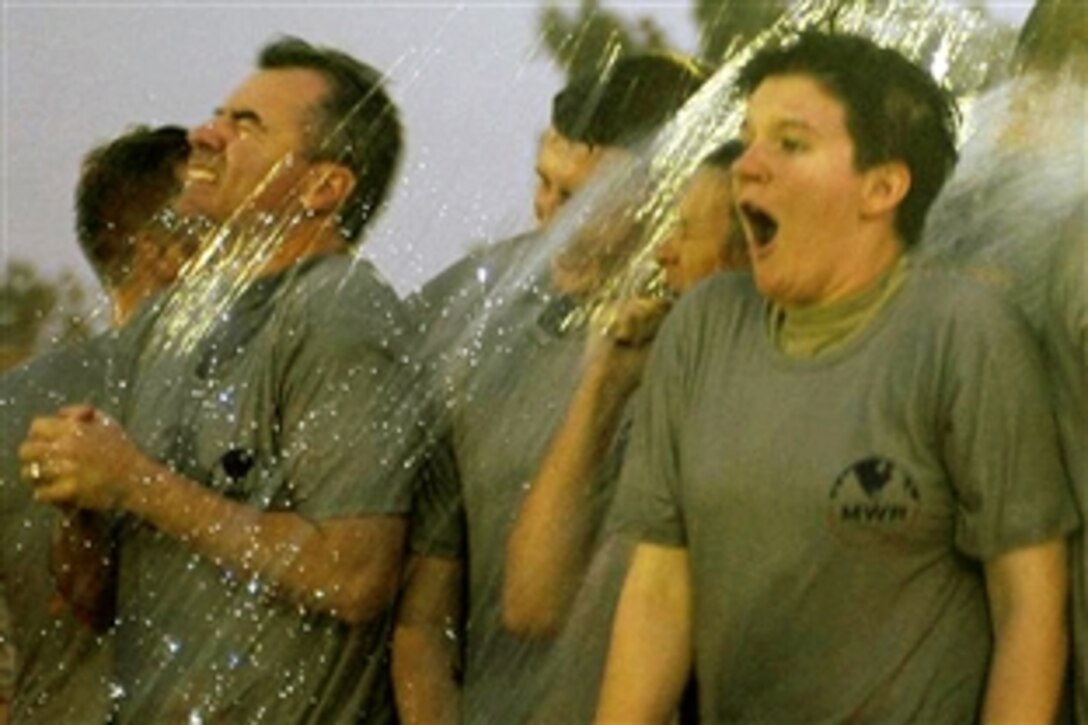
589 38
36 312
727 25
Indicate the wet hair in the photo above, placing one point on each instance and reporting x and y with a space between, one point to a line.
734 246
724 155
123 185
895 111
356 124
630 101
1054 37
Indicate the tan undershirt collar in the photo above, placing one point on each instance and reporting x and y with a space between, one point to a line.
811 331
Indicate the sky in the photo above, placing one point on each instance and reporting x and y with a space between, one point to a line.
473 85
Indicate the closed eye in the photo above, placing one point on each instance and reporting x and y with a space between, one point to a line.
792 145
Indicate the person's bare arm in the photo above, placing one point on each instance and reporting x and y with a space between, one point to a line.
346 567
84 568
650 655
548 548
1027 591
426 641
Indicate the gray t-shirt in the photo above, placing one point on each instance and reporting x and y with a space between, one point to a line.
507 381
836 509
1066 338
293 401
62 668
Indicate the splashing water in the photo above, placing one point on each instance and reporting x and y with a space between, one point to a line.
1020 181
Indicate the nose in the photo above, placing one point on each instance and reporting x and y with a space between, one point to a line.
207 136
546 202
750 165
665 254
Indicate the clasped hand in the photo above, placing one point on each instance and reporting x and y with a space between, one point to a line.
80 458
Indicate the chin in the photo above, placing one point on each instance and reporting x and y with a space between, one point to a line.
190 205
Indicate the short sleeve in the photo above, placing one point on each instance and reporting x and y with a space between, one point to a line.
648 503
1000 436
438 517
351 419
1066 335
1069 291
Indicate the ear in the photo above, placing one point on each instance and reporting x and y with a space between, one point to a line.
885 187
328 185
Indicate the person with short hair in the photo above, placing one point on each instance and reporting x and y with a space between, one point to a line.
843 479
255 489
555 542
464 511
706 236
595 114
122 214
62 669
552 537
593 118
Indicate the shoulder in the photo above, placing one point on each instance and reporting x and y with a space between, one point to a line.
341 298
440 310
478 272
956 299
967 325
723 300
710 321
76 373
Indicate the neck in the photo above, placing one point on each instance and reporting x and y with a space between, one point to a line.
855 272
307 239
126 298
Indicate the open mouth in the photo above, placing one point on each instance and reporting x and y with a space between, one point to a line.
762 227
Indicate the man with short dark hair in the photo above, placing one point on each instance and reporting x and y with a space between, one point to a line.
595 114
843 478
594 117
124 189
257 493
62 670
493 377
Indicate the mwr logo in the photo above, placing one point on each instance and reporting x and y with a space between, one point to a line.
873 499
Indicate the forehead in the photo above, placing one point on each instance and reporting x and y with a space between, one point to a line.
280 96
708 192
796 99
561 157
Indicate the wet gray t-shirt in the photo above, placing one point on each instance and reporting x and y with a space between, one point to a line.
288 403
1066 340
508 380
61 668
837 509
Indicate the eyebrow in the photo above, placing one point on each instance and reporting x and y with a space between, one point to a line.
788 124
791 124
